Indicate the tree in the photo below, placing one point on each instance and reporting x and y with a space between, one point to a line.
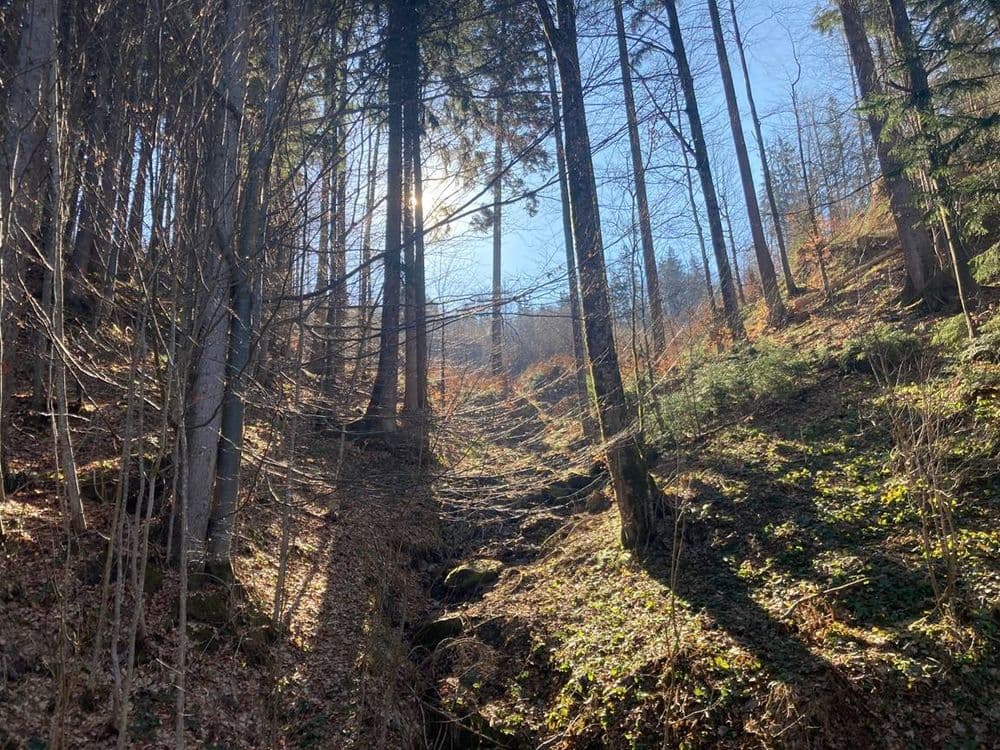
695 216
380 416
583 398
625 454
415 396
506 63
22 175
254 201
208 387
704 168
639 178
806 184
779 233
922 102
772 296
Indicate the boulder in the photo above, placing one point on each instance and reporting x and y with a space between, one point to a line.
209 607
472 576
432 633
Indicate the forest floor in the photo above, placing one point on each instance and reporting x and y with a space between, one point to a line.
334 676
787 602
484 601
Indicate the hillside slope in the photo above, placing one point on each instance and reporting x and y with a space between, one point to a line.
788 601
483 601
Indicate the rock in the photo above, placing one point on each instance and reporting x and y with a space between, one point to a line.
577 482
465 579
540 528
209 607
597 502
431 634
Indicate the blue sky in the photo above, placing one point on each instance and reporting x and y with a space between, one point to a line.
533 246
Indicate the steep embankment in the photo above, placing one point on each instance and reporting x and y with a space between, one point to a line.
336 675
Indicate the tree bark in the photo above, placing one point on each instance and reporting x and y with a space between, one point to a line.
420 279
807 187
248 247
411 397
639 178
496 317
776 312
380 415
625 453
338 268
208 387
922 101
726 287
737 276
701 234
60 416
772 203
591 430
806 183
22 177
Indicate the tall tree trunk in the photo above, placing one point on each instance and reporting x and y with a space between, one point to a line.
625 454
381 412
591 430
807 187
496 318
827 173
803 165
779 233
415 398
866 157
922 102
726 287
420 278
365 293
22 176
338 267
639 177
60 416
248 248
701 235
918 250
365 281
323 240
118 223
695 215
208 386
776 312
411 396
737 275
126 252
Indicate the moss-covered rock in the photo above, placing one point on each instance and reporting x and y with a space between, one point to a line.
472 576
432 633
209 607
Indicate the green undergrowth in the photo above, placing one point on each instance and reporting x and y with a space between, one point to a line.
986 266
709 386
788 599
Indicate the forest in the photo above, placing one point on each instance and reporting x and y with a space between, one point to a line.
526 374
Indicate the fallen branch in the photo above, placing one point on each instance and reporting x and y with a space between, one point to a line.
824 592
